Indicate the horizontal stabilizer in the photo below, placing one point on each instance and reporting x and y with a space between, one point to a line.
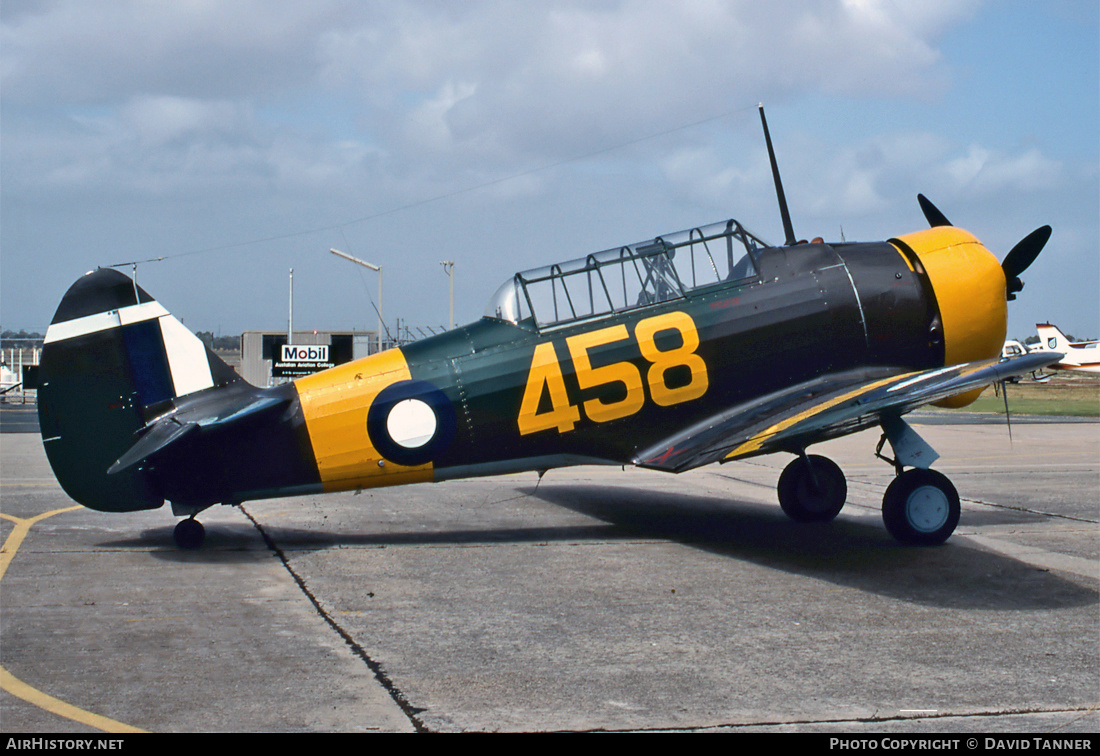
159 437
170 430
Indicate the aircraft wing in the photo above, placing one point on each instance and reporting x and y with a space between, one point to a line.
824 408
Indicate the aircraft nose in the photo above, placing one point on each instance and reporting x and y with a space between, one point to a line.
969 288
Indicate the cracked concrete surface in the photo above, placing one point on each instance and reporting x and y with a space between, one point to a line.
598 600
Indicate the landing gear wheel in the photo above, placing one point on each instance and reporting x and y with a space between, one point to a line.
189 533
812 489
921 508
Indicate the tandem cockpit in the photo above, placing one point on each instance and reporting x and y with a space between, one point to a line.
624 278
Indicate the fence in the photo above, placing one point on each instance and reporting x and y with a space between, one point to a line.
19 375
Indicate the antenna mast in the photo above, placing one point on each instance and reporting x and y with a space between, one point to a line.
783 212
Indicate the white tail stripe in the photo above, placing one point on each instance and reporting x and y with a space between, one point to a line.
70 329
138 313
186 357
102 321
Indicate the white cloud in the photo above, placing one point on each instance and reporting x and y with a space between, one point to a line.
299 115
558 79
427 125
100 52
160 120
983 171
483 88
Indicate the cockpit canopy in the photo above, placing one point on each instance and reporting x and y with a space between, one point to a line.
623 278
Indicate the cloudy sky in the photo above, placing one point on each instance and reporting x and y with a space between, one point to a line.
238 140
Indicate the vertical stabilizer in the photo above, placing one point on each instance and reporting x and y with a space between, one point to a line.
112 358
1052 338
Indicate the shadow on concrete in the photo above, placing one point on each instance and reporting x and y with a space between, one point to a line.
855 554
858 554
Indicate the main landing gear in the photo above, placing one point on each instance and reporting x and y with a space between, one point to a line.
812 489
920 507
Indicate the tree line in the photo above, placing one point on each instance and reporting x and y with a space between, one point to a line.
10 339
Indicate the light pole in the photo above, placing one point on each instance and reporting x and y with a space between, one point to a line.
376 268
449 269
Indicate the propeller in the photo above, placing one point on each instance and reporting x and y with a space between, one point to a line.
1019 257
932 213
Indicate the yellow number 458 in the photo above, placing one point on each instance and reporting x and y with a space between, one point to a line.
546 378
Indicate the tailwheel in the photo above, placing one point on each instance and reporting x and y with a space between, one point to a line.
921 508
812 489
189 533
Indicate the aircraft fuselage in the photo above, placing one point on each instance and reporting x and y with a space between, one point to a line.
495 397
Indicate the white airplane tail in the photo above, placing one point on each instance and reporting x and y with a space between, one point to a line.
1051 337
1083 356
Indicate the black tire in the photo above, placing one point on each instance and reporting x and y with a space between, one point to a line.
921 508
189 534
812 489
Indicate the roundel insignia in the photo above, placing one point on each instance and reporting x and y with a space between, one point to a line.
411 422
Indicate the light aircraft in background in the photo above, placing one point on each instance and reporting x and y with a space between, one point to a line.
9 380
705 345
1012 348
1081 356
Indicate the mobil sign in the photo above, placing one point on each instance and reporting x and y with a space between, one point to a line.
300 359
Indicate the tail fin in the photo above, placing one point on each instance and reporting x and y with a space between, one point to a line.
1052 337
113 357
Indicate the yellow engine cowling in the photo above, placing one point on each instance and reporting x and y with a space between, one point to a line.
969 285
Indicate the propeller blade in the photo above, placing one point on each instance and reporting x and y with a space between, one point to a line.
1024 253
1021 256
932 213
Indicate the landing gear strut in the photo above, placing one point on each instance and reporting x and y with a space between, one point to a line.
189 533
812 489
921 506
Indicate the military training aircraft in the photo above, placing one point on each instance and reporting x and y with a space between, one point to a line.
705 345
